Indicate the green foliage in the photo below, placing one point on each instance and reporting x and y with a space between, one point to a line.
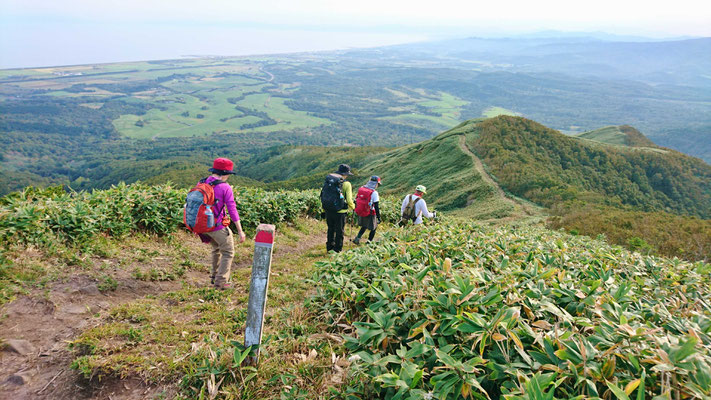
461 311
51 216
259 206
287 162
71 225
107 284
221 364
648 232
547 167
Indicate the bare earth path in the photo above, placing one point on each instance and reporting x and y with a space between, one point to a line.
45 320
488 179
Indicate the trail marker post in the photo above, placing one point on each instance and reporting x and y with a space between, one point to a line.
263 244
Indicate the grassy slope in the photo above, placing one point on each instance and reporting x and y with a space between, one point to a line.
179 328
619 135
445 169
155 320
454 183
608 134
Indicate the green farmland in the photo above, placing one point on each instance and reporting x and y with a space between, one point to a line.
199 97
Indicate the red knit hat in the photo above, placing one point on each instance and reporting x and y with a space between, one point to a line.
222 166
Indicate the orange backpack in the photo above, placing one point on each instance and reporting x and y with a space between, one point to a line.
199 214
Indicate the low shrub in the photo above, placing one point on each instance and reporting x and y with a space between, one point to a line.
459 311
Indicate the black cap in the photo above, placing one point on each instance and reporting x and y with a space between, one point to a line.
344 169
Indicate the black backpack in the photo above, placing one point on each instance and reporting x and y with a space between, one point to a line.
331 196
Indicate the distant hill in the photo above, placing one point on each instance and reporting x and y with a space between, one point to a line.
613 181
617 166
661 62
621 135
448 170
443 164
545 166
283 163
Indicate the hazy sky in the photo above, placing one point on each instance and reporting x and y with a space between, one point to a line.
62 32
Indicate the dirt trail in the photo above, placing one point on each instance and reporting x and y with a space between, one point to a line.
46 320
479 166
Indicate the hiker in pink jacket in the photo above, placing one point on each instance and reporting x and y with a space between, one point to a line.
223 247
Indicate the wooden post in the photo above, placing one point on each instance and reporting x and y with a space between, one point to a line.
263 244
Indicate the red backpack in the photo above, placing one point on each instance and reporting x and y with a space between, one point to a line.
199 214
362 199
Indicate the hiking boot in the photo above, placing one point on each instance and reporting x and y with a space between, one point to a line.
212 280
356 240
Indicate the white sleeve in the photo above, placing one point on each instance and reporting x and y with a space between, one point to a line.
425 212
374 198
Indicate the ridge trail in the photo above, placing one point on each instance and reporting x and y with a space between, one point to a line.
479 166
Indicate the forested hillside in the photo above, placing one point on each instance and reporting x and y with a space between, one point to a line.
287 162
548 167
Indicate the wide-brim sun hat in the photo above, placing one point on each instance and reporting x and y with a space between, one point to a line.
223 166
421 189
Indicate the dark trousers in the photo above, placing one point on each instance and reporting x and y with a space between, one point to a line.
336 225
362 231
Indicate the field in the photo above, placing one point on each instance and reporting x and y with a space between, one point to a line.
205 97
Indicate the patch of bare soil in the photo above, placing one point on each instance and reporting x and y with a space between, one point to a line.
36 328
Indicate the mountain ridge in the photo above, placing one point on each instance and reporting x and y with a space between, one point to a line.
623 135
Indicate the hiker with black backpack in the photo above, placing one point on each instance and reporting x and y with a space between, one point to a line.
414 207
368 208
337 201
209 209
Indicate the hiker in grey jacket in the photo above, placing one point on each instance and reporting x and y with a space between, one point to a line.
419 208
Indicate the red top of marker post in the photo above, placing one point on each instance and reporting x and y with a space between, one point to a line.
265 235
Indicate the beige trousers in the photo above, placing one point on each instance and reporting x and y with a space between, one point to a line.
223 251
